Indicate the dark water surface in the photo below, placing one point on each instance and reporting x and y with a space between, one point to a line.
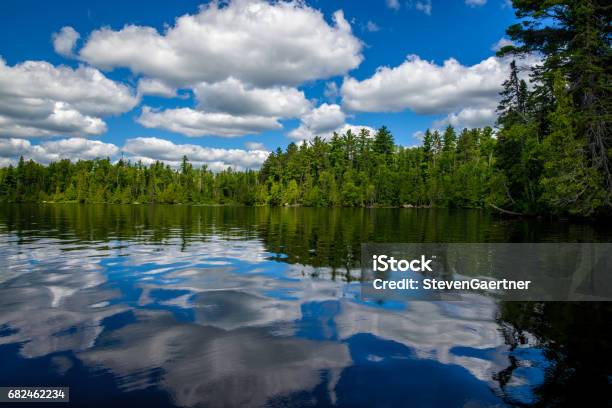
148 306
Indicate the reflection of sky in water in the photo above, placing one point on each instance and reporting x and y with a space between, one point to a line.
224 323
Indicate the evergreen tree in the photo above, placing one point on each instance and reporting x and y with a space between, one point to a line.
569 184
573 38
512 107
383 141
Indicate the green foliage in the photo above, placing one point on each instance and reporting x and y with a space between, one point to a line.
569 184
518 157
100 181
383 142
561 128
366 170
347 170
291 194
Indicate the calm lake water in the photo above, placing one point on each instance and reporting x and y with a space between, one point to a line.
158 306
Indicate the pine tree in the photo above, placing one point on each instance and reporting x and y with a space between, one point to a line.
569 184
512 105
573 39
383 141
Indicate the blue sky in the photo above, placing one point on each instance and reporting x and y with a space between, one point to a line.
218 68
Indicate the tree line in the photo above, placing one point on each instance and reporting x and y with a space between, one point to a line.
350 170
101 181
550 153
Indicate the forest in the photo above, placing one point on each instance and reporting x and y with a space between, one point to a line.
348 170
549 153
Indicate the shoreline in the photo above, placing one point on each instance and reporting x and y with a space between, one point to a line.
492 211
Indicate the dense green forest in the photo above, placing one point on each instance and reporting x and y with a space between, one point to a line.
348 170
551 150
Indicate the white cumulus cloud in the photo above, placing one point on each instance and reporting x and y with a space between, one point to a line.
146 149
74 148
425 87
258 42
355 129
324 118
232 96
149 86
323 121
466 95
151 149
254 146
40 99
12 147
194 123
228 109
65 40
468 118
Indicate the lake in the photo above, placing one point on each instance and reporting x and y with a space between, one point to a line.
160 306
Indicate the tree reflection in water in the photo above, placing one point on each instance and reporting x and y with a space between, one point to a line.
576 338
290 323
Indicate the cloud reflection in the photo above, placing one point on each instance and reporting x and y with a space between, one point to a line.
217 320
208 366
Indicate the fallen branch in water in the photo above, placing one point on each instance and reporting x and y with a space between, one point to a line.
507 211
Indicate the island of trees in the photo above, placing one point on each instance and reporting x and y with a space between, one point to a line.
551 151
